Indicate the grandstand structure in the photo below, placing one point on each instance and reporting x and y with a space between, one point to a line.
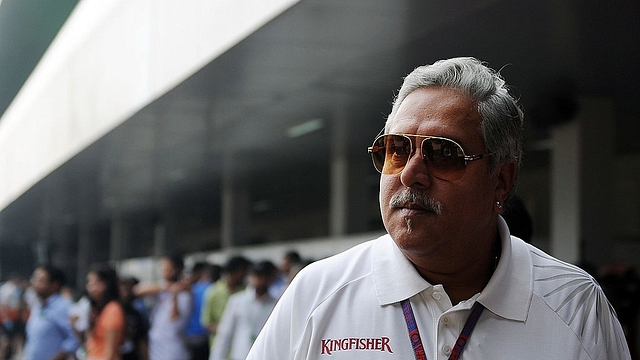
134 128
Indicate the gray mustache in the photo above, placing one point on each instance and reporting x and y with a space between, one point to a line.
409 196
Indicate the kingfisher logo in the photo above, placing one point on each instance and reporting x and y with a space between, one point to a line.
362 344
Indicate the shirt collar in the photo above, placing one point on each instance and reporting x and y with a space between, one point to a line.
50 300
388 265
510 289
508 293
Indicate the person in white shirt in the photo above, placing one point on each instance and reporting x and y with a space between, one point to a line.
245 314
448 281
171 310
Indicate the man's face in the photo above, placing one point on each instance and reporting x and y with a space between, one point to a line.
169 271
260 282
285 266
41 284
466 204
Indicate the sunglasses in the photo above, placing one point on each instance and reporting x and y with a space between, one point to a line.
444 158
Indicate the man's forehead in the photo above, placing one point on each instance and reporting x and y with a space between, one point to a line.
453 128
436 111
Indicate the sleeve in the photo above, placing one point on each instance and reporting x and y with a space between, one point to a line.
579 301
226 330
609 328
185 306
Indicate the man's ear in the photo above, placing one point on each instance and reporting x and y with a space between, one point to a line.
505 181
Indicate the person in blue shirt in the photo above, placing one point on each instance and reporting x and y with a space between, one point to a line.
49 332
197 336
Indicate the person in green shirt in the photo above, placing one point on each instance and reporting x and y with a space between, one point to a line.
216 296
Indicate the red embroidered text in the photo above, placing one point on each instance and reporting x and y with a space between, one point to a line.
375 344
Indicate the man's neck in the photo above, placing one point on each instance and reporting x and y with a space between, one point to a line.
233 285
43 300
460 291
463 282
260 293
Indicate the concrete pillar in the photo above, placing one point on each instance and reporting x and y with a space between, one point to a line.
227 225
92 247
117 245
363 184
159 240
339 176
235 219
565 192
581 167
165 231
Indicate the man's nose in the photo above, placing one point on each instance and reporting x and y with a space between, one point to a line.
415 172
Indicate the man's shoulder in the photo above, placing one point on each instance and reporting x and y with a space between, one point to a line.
353 260
200 287
241 299
574 296
215 288
236 297
568 290
6 290
57 308
324 277
550 273
58 302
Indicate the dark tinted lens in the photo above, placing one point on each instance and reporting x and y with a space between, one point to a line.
377 151
444 158
390 153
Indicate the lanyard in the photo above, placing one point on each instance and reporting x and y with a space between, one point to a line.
414 334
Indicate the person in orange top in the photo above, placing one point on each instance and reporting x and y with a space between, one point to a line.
106 320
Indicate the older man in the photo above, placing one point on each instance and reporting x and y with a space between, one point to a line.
448 277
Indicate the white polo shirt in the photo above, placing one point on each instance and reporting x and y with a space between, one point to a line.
348 307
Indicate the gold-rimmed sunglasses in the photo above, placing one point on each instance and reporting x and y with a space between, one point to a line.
444 158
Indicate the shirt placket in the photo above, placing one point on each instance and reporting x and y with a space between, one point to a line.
442 326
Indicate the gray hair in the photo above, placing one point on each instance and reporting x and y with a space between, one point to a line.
501 117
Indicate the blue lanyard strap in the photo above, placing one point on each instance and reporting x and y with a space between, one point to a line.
414 334
461 342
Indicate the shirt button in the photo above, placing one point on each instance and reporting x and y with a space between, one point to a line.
445 320
446 349
436 295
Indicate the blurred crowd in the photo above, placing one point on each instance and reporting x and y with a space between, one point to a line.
210 311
